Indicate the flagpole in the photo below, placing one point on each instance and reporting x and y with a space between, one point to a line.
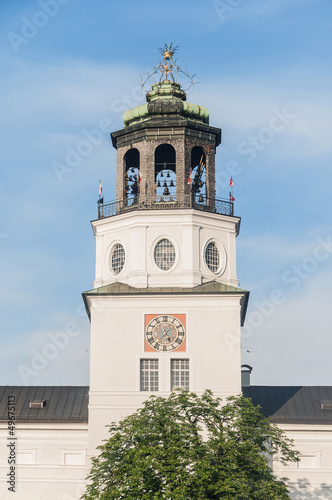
231 184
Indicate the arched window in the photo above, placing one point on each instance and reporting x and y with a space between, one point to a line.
165 173
198 174
132 175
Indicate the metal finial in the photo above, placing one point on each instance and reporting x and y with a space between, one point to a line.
168 67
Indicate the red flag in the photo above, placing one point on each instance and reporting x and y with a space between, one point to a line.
138 179
100 189
231 198
190 177
231 182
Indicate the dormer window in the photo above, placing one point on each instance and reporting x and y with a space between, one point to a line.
36 404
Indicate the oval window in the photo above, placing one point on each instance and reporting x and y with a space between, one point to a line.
118 258
212 258
164 254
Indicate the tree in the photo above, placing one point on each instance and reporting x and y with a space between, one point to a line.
191 447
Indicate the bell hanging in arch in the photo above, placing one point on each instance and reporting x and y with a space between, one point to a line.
158 184
166 191
168 174
200 198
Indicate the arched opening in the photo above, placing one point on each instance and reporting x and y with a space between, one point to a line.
132 176
198 174
165 173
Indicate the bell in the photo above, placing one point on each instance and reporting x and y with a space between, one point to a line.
158 184
168 175
200 184
130 178
132 170
161 174
200 198
164 184
171 184
166 191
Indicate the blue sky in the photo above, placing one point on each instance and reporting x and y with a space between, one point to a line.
263 70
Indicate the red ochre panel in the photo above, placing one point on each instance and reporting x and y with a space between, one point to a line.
180 317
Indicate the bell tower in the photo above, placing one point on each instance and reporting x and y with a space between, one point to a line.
166 309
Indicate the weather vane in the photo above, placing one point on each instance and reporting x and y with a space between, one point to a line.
168 68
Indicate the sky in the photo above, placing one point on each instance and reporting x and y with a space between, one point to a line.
69 68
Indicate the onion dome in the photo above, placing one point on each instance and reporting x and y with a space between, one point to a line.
166 98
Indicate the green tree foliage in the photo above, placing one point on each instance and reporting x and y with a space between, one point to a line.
191 447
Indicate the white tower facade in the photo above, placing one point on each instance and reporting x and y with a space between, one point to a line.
165 309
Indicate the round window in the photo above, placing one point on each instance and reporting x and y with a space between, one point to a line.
118 258
164 254
212 258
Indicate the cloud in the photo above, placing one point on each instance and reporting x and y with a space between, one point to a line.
72 93
292 346
58 102
289 335
273 246
244 109
54 355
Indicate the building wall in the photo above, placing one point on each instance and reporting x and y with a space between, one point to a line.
311 478
188 230
118 345
50 461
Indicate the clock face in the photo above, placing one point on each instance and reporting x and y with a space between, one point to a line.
165 333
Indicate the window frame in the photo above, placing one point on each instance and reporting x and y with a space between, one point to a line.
146 378
152 253
110 257
222 257
181 372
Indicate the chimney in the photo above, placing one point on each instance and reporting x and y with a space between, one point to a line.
245 375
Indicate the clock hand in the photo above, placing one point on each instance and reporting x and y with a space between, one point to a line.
165 333
169 334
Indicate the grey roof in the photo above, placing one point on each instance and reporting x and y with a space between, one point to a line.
63 403
293 404
212 288
283 404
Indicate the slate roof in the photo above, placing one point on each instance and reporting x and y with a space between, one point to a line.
63 403
210 288
293 404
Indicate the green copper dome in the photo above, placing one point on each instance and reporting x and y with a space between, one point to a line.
166 98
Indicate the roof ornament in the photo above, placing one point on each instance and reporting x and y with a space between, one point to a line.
168 69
